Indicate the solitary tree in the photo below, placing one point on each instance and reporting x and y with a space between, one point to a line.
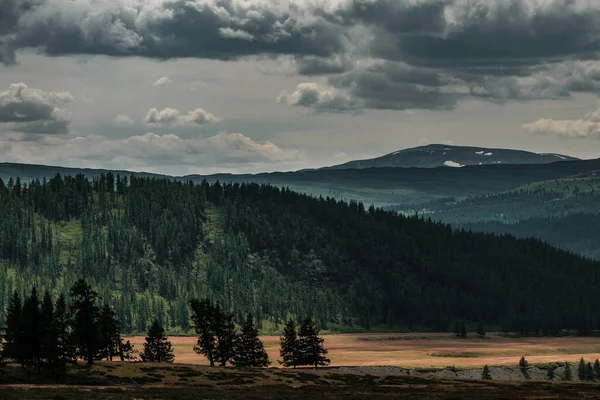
85 320
311 350
157 347
581 370
289 345
523 362
485 374
249 349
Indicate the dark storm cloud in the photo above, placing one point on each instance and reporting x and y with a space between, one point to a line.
30 110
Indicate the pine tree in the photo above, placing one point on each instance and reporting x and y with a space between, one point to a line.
224 329
480 329
568 375
597 369
110 337
128 352
581 370
203 323
157 347
48 334
523 362
311 350
30 331
589 372
550 373
485 374
12 349
289 345
65 350
85 320
249 349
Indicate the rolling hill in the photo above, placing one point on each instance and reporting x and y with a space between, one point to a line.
441 155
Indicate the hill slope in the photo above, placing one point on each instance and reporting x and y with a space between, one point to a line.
440 155
150 245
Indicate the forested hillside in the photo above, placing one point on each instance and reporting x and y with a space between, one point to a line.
150 245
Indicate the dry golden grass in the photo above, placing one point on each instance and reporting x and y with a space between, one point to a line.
422 350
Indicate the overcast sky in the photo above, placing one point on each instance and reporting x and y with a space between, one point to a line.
203 86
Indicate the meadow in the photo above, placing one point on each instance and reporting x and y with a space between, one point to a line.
423 350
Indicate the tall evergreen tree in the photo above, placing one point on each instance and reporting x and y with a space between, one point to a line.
597 369
85 320
110 336
485 374
581 370
30 331
225 335
249 349
589 372
65 350
290 344
311 350
48 333
157 347
12 349
203 323
568 375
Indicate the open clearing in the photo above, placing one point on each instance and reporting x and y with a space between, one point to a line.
422 350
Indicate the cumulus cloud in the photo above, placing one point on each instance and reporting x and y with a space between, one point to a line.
228 150
586 127
124 120
30 110
170 116
162 81
321 98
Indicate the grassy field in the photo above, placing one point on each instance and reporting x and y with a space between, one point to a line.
423 350
119 381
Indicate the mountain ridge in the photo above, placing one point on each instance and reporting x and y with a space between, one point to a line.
441 155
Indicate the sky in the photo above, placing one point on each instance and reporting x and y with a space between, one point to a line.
243 86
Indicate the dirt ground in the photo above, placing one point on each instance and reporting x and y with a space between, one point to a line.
423 350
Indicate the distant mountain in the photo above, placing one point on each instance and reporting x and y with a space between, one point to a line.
440 155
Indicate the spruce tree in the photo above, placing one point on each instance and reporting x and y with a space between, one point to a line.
224 330
12 349
597 369
30 331
65 350
311 350
589 372
85 320
203 323
157 347
249 349
485 374
109 335
128 352
568 375
581 370
289 351
48 333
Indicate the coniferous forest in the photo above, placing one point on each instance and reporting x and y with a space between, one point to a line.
149 246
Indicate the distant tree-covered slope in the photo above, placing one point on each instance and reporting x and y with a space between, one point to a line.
442 155
150 245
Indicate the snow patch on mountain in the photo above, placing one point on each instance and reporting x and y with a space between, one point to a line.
453 164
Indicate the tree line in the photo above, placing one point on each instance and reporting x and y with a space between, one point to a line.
48 336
